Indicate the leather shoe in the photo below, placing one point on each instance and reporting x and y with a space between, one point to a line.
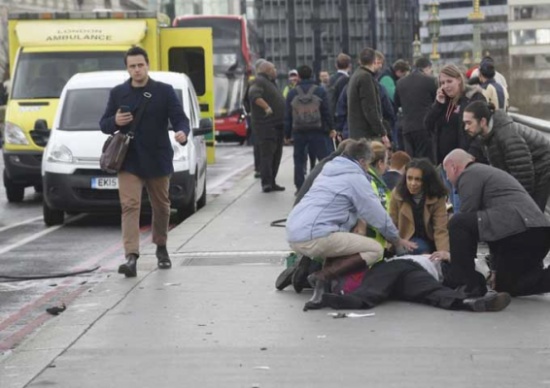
267 188
163 257
129 269
276 187
491 301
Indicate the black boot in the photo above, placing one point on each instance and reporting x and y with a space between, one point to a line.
129 268
299 277
491 301
163 257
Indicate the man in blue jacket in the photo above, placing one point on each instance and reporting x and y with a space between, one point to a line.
149 159
308 122
320 224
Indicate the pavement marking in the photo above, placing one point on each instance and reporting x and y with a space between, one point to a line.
29 221
17 337
232 253
39 234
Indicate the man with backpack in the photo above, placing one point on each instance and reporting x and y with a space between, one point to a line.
308 122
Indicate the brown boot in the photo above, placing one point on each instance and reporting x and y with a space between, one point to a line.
338 266
333 268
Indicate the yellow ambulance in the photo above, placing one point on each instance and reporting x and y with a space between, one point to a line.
46 49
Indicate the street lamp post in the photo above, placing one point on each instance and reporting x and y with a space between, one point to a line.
476 18
417 53
434 26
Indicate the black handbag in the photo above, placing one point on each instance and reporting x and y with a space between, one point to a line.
116 146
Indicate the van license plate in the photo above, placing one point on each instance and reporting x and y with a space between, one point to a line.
105 183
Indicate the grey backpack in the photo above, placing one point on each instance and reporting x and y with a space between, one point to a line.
306 110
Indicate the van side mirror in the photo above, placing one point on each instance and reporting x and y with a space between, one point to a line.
40 133
205 127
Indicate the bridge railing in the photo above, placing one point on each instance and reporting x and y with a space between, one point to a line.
533 122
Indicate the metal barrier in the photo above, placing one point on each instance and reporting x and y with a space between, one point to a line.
538 124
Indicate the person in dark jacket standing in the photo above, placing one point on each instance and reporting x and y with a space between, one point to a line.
267 106
149 159
444 118
308 122
515 148
444 121
338 80
495 209
364 106
415 94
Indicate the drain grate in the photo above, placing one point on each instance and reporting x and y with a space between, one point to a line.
234 258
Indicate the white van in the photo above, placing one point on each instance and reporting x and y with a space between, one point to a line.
72 179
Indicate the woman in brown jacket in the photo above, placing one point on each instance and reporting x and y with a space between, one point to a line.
418 208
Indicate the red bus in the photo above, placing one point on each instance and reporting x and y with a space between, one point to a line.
233 62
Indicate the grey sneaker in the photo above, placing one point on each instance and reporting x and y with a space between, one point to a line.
491 301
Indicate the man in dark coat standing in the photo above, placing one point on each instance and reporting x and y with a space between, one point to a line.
517 149
338 80
267 109
149 159
495 209
364 106
415 94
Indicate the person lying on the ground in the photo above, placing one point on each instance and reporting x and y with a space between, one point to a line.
319 226
496 209
411 278
418 207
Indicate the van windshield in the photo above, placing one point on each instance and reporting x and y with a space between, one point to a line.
43 75
83 108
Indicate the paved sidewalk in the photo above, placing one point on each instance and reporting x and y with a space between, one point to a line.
216 320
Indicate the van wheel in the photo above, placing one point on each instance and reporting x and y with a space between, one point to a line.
52 217
189 208
202 200
15 193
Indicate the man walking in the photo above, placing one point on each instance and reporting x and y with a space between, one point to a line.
149 159
495 209
415 94
364 107
515 148
308 122
267 109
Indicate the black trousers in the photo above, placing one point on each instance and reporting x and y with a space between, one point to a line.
517 259
404 280
271 151
541 195
418 144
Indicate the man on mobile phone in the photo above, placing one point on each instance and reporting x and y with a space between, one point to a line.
149 159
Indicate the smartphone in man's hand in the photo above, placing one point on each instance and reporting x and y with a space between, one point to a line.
125 109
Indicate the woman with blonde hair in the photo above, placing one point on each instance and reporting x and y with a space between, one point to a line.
444 118
444 121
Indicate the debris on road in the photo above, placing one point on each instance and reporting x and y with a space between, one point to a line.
56 310
350 315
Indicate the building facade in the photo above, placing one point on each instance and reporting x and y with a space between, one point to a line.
314 32
530 56
456 32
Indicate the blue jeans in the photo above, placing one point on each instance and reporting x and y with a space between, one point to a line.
424 246
316 144
453 195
